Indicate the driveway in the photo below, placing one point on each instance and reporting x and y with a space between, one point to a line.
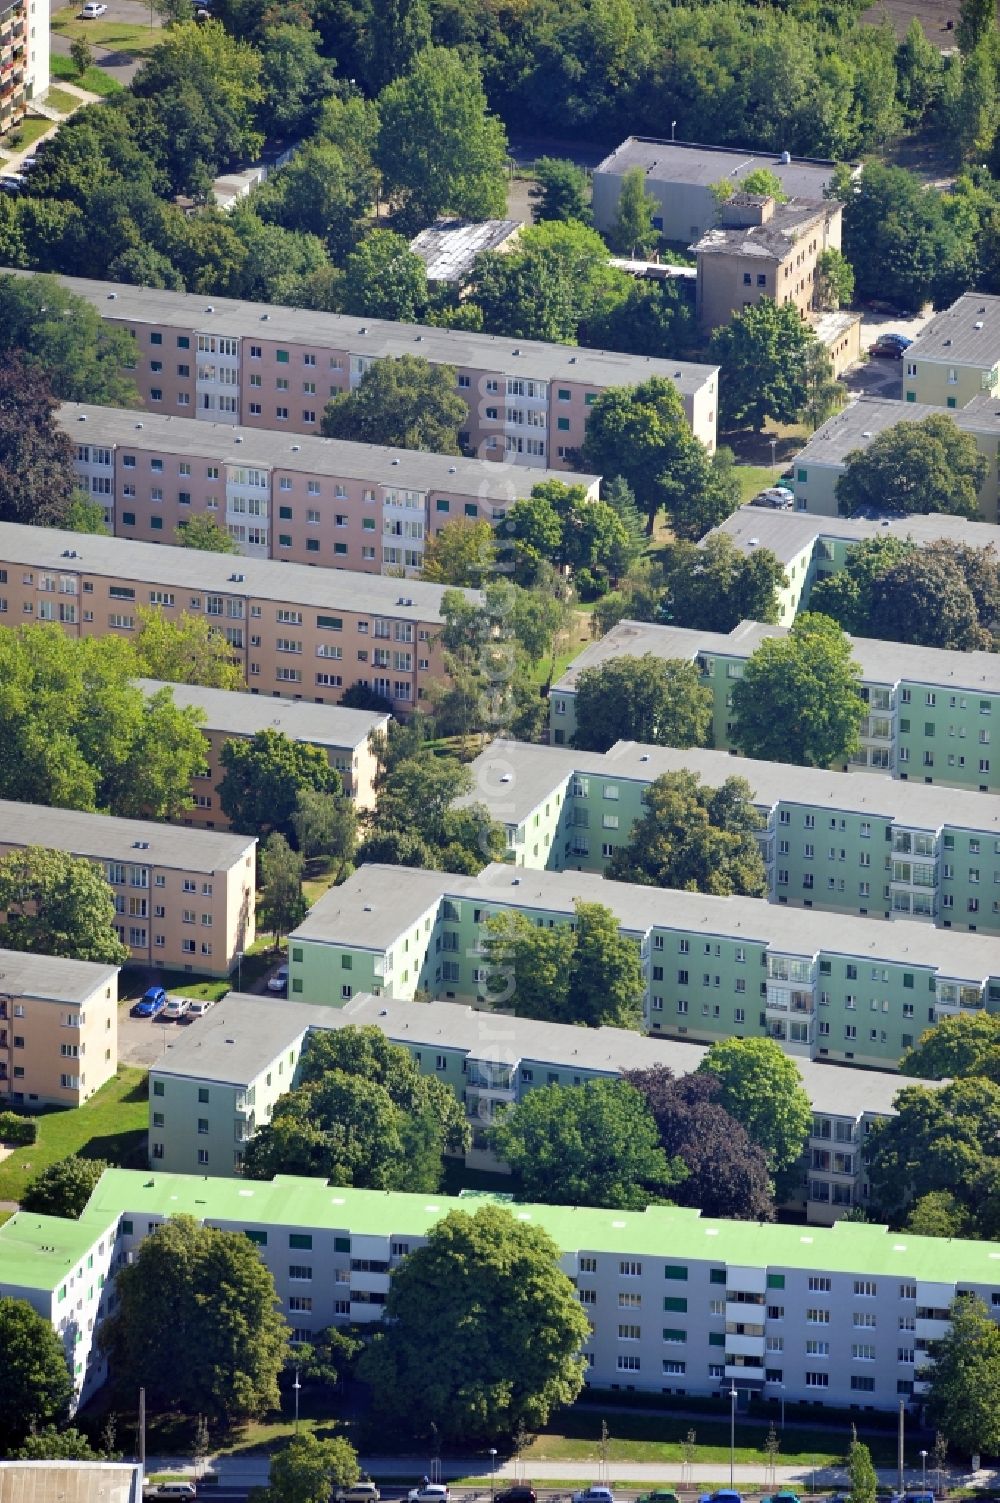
880 377
121 66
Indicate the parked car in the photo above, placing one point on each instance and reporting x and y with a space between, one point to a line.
92 10
176 1008
12 182
177 1490
892 346
519 1494
28 164
151 1003
198 1009
725 1495
778 497
361 1492
279 981
428 1492
785 1496
594 1495
658 1495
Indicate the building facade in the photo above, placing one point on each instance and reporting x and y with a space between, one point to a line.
58 1029
303 500
344 735
24 57
217 1084
819 466
185 899
260 365
861 845
678 1303
294 631
952 745
957 356
760 249
850 990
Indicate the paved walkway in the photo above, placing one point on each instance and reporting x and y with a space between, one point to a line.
13 157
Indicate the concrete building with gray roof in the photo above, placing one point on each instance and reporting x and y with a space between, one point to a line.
298 498
261 365
900 683
219 1080
58 1029
449 247
956 357
848 989
184 899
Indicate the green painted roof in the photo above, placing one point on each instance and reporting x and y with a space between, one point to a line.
661 1231
37 1252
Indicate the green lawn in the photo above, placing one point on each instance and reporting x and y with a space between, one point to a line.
26 133
755 478
94 80
111 1125
59 99
116 36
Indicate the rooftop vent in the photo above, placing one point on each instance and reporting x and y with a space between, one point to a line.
238 439
644 757
138 425
367 908
785 159
296 448
515 352
978 324
70 553
515 882
753 542
112 296
452 469
210 308
264 317
404 600
506 777
947 342
82 417
572 360
867 433
237 578
363 329
140 845
420 339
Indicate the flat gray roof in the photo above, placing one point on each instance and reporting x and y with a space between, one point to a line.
377 338
967 333
790 533
104 837
533 774
687 162
449 247
50 978
390 898
221 573
239 714
305 453
860 422
880 662
236 1039
770 241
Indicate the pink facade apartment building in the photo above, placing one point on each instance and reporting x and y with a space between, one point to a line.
297 498
260 365
294 631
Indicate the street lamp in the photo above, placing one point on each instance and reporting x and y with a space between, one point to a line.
493 1473
296 1387
774 457
239 970
673 127
732 1431
782 1387
923 1471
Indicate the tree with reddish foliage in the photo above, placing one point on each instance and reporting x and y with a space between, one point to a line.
37 478
727 1173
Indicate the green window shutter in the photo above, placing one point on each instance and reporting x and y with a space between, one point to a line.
254 1236
676 1303
675 1271
776 1281
126 1228
911 396
717 1276
342 1244
716 1338
300 1239
670 1334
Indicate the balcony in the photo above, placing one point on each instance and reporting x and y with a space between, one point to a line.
931 1330
497 1079
746 1347
369 1283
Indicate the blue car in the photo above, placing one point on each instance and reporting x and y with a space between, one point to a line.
725 1495
150 1003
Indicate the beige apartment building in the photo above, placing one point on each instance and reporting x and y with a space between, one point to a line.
343 734
58 1029
297 498
819 466
13 63
261 365
761 249
293 630
957 356
185 900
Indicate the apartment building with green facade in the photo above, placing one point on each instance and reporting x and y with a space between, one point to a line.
956 357
811 547
931 713
860 845
847 989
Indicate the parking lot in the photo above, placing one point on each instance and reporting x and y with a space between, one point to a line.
881 377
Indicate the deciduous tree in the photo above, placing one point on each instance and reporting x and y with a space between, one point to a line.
64 1188
861 1474
560 191
715 586
282 902
693 837
762 354
309 1470
294 77
196 1323
326 827
204 533
799 698
58 904
957 1047
383 278
633 232
660 701
186 651
463 553
263 777
588 1145
485 1283
914 467
37 1386
834 278
963 1398
405 403
82 357
640 434
37 476
762 1088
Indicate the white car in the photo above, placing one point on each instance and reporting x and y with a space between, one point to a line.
433 1492
279 981
198 1009
92 10
175 1009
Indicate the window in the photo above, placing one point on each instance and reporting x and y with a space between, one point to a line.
628 1364
630 1269
817 1380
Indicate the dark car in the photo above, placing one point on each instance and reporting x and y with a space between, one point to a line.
151 1003
891 346
520 1494
658 1495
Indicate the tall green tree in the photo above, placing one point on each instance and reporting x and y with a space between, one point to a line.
957 1047
282 902
977 19
762 352
589 974
383 278
439 148
405 403
589 1145
485 1283
606 982
196 1323
263 777
394 33
37 476
847 596
204 533
82 357
37 1386
57 904
762 1088
50 1444
861 1474
834 278
294 77
696 838
715 585
640 434
189 650
633 232
326 827
309 1470
963 1397
915 467
662 702
764 182
560 191
555 279
799 699
924 598
63 1188
463 553
362 1114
